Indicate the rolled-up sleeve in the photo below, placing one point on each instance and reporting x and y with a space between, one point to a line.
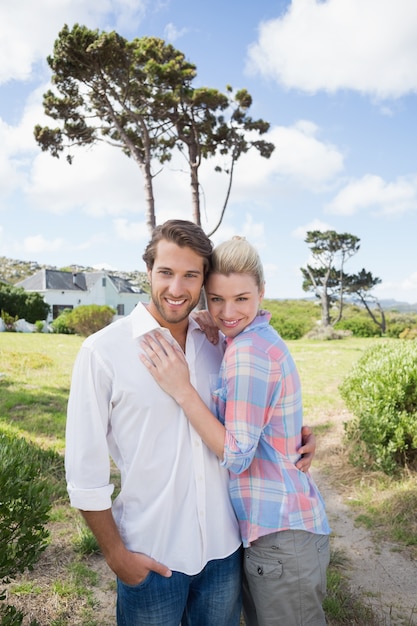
87 461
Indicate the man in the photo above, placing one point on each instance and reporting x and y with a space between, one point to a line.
171 535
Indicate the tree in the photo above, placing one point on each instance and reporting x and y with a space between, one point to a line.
359 286
323 277
15 301
204 130
115 91
138 96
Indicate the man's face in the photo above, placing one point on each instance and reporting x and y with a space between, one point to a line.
176 280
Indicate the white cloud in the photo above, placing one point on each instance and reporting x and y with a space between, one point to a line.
369 46
316 224
372 192
130 231
403 290
172 33
27 31
9 167
299 158
39 244
100 181
300 155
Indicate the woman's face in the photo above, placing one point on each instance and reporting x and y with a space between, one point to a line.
233 301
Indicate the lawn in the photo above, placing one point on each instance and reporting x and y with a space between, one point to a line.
70 584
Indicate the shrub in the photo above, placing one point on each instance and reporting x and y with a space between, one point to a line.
359 326
25 502
29 306
292 318
381 392
400 322
289 328
60 324
326 333
409 333
9 321
88 319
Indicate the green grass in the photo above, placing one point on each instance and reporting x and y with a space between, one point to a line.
322 366
35 373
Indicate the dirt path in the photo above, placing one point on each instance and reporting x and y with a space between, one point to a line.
381 576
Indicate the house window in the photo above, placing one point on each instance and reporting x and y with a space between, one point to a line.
57 309
120 309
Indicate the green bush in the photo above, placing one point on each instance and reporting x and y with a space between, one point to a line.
60 325
88 319
381 392
359 326
289 328
398 323
29 306
9 321
409 333
25 501
292 318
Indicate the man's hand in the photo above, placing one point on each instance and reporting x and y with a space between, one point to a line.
307 450
133 567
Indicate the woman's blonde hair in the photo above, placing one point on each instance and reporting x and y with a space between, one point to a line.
238 256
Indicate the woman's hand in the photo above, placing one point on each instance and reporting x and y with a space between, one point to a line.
209 328
166 362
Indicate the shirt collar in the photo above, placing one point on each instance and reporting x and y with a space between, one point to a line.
262 319
143 322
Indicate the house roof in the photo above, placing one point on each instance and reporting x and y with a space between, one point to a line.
46 279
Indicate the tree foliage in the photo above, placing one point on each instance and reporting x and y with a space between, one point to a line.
325 276
139 97
24 506
17 302
359 286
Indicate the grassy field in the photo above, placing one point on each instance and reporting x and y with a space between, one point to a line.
68 582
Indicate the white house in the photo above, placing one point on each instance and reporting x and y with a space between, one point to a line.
67 290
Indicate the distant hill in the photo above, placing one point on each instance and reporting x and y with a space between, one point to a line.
401 307
12 271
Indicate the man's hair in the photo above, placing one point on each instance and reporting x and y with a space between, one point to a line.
184 234
237 256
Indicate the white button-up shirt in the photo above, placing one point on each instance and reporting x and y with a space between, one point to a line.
174 504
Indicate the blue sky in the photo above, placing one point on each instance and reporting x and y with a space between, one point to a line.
336 79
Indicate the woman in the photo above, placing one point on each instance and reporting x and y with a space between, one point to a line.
258 402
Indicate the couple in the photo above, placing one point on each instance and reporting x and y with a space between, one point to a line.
171 535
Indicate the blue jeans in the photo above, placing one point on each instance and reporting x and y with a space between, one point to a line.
210 598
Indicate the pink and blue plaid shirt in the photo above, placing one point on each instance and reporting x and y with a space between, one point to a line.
258 399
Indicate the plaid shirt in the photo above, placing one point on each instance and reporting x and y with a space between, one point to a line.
258 399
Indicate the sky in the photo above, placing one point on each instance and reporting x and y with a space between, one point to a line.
336 80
